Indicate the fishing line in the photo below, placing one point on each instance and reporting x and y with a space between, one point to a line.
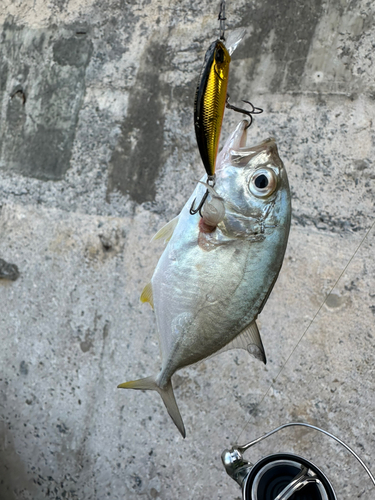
309 325
222 20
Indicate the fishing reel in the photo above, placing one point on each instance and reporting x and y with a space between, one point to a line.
282 476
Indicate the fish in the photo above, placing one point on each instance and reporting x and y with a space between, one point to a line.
211 98
215 276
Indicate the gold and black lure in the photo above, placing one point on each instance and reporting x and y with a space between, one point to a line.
211 99
210 103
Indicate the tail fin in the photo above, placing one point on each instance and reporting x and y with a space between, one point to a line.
166 393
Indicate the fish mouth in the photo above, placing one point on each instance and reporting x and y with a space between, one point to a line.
242 156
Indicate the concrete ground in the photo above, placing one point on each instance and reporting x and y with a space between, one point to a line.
97 152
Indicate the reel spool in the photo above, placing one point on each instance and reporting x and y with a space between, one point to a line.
282 476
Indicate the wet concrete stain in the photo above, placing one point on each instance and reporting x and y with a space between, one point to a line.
86 345
24 369
334 301
71 51
138 157
3 76
48 66
8 271
284 29
14 480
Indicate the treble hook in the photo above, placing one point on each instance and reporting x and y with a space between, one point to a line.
222 20
253 111
193 211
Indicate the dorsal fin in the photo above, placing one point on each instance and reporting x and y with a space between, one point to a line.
249 339
147 295
166 231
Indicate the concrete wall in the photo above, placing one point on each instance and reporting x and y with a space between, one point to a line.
97 152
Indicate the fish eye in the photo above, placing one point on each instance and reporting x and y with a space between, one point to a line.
263 182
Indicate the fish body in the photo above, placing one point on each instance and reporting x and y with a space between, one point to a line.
209 286
210 102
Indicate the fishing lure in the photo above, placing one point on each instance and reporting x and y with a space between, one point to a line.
211 99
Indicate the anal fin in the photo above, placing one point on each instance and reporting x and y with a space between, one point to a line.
147 295
166 231
249 340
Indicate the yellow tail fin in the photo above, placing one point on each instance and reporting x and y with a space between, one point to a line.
166 393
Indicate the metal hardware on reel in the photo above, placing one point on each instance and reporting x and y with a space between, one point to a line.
282 476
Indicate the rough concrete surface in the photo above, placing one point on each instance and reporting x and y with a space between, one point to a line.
97 152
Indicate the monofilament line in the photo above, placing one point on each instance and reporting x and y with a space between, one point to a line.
311 322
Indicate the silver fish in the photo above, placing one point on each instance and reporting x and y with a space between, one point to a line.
214 277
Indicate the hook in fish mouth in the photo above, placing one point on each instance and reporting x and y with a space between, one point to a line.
249 113
211 180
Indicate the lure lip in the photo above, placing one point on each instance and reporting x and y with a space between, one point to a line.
234 38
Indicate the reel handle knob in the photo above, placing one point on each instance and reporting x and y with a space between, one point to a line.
236 467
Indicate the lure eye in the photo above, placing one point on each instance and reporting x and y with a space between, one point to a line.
263 183
219 55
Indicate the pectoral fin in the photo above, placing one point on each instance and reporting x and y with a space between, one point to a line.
166 231
249 339
147 295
